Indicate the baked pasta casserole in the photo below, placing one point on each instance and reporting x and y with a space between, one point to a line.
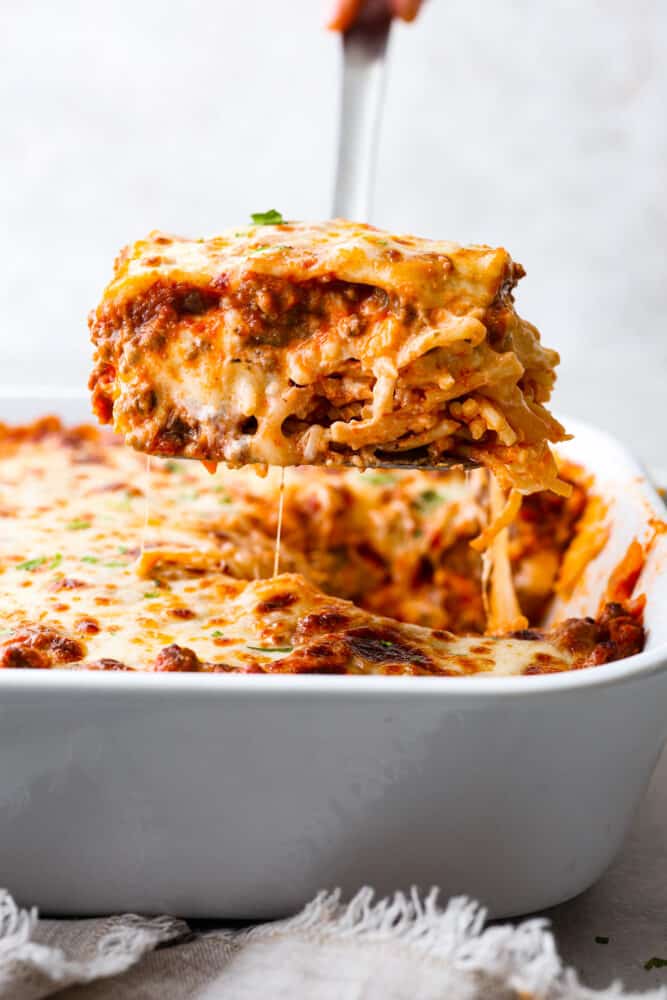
111 562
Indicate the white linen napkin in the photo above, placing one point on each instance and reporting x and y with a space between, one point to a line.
403 948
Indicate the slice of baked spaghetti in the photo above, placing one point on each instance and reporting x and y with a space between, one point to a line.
324 344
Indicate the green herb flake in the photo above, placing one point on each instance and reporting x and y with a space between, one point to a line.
114 564
217 634
150 594
89 559
123 549
31 564
77 525
171 466
428 500
56 561
270 218
270 246
381 478
271 649
600 939
655 963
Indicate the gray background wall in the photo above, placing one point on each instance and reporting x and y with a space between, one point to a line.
540 126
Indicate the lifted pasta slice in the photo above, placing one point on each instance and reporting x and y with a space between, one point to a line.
324 344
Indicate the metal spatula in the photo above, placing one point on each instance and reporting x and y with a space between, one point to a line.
362 93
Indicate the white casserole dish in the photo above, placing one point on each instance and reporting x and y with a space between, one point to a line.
241 796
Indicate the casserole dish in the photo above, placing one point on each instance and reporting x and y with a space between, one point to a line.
242 795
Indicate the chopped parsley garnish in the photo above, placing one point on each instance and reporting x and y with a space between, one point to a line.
114 564
381 478
31 564
270 218
600 939
655 963
123 549
262 246
56 561
77 525
89 559
126 503
217 634
429 500
171 466
271 649
151 594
